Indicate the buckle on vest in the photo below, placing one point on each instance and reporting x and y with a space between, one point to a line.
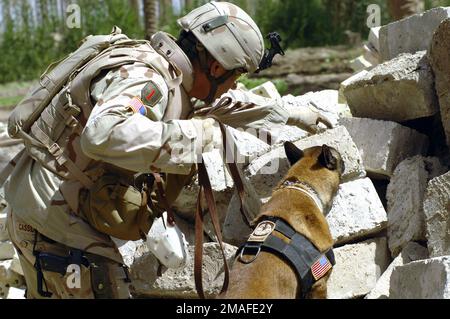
249 247
71 122
55 150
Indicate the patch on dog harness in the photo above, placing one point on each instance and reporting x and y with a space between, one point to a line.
137 106
151 94
320 267
309 263
262 231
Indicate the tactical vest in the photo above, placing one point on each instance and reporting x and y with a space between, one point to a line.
51 117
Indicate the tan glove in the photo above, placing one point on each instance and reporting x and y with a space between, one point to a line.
308 119
208 134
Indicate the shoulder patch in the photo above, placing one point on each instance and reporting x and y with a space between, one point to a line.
151 94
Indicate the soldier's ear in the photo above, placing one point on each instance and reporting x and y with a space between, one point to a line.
327 159
293 153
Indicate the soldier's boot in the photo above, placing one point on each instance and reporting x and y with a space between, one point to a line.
95 277
399 9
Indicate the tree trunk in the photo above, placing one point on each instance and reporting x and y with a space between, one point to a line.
150 18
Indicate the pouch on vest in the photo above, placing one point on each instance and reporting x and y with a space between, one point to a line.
116 208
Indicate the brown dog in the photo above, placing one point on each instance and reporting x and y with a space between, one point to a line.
272 277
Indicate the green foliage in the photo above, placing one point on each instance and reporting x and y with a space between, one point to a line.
281 85
28 46
316 22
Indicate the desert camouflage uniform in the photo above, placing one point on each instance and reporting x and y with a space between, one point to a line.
118 135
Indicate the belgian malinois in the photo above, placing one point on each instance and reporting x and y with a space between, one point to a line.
301 200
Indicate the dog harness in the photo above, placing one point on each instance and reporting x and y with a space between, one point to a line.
309 263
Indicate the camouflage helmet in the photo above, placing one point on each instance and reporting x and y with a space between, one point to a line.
228 33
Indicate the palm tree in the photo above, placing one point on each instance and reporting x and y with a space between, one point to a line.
150 18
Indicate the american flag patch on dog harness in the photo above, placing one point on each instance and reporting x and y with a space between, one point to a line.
137 106
320 267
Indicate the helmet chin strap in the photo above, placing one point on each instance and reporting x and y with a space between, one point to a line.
214 82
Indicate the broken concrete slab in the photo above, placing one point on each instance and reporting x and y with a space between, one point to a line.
411 252
267 89
358 268
437 215
405 195
179 283
398 90
6 250
267 170
424 279
374 38
383 145
360 63
440 63
357 212
411 34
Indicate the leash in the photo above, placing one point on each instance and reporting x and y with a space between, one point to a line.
206 189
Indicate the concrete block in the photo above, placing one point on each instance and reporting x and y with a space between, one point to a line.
6 250
440 63
358 268
437 215
424 279
360 63
411 34
383 145
405 195
398 90
357 212
267 170
267 89
411 252
179 283
374 38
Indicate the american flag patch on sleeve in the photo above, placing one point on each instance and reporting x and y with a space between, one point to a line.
137 106
320 267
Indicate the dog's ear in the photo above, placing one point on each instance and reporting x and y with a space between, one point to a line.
327 159
293 153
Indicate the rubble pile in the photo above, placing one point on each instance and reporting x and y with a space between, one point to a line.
391 216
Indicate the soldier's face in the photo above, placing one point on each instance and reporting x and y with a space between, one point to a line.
229 84
202 85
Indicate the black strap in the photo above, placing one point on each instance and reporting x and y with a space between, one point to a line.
300 252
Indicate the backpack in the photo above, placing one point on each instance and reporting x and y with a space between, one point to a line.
51 117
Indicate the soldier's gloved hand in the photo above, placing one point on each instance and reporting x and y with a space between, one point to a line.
209 132
307 119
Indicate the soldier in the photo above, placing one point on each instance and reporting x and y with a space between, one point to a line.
141 113
399 9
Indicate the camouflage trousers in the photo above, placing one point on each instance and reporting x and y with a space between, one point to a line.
400 9
101 278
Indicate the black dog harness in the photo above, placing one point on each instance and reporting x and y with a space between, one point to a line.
309 263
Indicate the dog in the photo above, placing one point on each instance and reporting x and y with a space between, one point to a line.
300 200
